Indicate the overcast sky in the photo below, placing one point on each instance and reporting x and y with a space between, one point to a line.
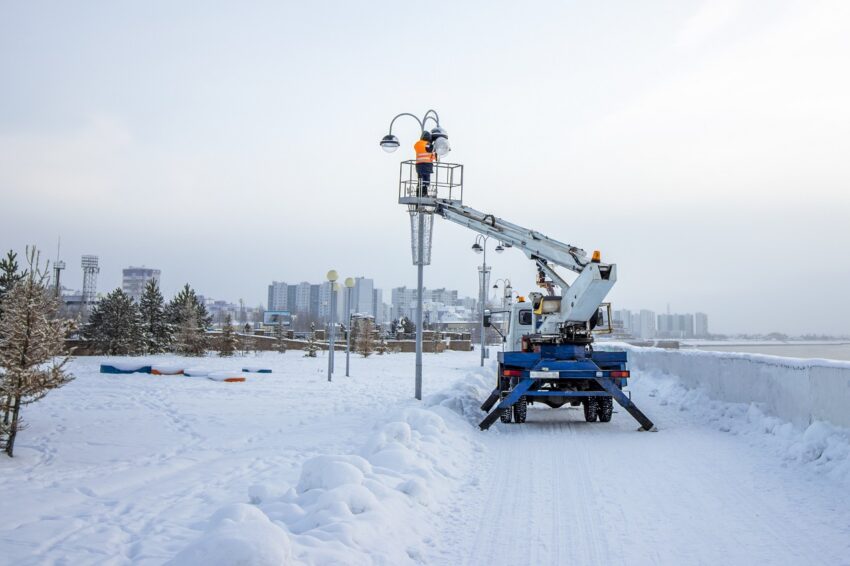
704 147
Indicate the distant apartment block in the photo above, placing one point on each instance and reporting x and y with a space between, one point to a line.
675 326
701 325
134 280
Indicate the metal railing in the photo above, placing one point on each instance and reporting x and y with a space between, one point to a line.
446 183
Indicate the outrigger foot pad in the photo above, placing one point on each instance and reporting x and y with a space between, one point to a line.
491 400
653 429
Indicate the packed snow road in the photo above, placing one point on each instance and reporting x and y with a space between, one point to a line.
563 491
286 467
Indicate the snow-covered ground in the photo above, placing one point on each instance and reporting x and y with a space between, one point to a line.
286 467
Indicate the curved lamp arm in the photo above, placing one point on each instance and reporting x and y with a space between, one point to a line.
435 117
418 121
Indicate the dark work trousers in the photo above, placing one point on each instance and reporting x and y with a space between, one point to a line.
424 171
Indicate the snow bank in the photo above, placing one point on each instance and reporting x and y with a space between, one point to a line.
229 376
820 446
377 506
167 369
197 372
796 390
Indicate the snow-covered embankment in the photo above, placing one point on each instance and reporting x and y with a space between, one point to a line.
376 505
796 390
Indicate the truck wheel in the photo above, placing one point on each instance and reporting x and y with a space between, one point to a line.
606 409
520 409
506 415
591 408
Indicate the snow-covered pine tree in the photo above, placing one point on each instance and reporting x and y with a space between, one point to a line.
187 296
32 348
381 348
228 342
182 312
115 326
312 347
190 338
156 331
279 334
436 338
365 337
9 274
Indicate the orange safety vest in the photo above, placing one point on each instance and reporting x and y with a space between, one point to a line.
422 153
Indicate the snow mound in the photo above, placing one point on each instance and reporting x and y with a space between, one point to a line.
820 446
166 369
373 507
229 376
197 372
239 534
466 396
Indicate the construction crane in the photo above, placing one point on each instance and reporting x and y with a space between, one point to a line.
549 357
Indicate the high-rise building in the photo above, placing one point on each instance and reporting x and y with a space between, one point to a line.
302 298
675 326
278 295
646 324
701 325
134 279
378 306
362 296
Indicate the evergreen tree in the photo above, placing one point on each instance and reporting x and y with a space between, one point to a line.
280 337
381 347
228 341
176 312
9 275
156 331
407 325
189 320
115 326
189 338
312 347
32 348
365 337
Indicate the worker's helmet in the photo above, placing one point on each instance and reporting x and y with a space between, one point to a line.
426 135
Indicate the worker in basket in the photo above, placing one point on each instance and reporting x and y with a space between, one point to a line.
425 158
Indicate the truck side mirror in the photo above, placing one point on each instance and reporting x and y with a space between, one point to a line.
487 319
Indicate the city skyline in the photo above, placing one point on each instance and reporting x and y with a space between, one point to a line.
493 295
683 151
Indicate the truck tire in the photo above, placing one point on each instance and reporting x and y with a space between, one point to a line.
506 415
591 409
521 409
606 409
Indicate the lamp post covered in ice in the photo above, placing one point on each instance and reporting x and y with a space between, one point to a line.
419 209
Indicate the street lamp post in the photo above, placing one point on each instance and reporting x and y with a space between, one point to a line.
332 277
349 284
506 291
390 143
480 247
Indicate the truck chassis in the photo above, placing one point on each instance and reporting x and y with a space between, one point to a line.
558 374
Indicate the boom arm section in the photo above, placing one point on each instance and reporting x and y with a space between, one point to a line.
534 244
580 300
